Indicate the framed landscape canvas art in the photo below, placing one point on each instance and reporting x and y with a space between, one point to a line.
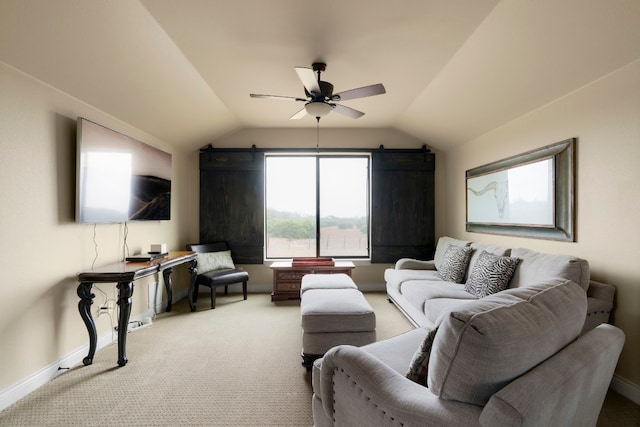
528 195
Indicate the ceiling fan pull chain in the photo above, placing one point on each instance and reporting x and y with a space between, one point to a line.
318 134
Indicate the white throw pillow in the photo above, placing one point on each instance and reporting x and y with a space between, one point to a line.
209 261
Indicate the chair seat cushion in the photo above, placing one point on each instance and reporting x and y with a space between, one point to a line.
222 277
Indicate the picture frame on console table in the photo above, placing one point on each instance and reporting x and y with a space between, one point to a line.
527 195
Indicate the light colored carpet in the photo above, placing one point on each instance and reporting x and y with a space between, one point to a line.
237 365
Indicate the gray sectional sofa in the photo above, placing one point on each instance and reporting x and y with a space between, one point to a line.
504 337
418 289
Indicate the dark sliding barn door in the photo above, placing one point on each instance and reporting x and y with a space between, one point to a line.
402 217
232 202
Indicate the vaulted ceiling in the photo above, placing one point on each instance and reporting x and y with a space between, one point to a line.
453 69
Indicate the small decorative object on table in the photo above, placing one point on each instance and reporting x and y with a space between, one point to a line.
297 262
144 257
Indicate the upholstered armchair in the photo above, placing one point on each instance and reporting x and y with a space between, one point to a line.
515 358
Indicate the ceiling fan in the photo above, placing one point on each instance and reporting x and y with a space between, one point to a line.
320 99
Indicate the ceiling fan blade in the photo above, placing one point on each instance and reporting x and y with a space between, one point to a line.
347 111
309 79
361 92
278 97
300 114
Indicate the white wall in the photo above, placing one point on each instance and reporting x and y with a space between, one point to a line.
42 247
605 118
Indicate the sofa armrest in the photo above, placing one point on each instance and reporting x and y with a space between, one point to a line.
414 264
566 389
358 389
599 304
603 291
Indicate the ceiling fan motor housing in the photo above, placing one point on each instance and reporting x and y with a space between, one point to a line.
326 90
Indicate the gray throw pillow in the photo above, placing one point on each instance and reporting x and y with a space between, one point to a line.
486 343
420 362
490 274
454 263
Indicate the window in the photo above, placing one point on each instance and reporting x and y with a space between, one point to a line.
400 203
317 205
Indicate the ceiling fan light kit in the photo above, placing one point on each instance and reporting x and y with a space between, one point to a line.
319 94
317 109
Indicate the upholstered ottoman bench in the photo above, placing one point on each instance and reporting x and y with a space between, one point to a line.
332 317
326 281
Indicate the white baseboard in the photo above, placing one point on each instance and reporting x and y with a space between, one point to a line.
15 392
626 388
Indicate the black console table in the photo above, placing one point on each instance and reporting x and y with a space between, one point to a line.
124 274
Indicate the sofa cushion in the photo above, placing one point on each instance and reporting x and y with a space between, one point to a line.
397 351
418 368
209 261
490 274
418 292
478 248
535 267
454 263
487 343
436 309
395 278
441 247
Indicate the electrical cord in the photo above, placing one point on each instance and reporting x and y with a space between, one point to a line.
125 247
95 246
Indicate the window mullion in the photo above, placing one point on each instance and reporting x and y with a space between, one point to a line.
317 206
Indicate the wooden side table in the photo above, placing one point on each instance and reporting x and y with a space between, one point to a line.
287 279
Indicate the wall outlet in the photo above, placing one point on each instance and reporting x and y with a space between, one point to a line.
107 307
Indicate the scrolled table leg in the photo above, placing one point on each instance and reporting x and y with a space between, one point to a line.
193 273
84 307
125 291
166 274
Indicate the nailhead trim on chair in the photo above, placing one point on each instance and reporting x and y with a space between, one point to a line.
361 391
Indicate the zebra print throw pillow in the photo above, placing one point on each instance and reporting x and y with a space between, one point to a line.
454 263
490 274
420 362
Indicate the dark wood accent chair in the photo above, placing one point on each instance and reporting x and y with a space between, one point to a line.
215 278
